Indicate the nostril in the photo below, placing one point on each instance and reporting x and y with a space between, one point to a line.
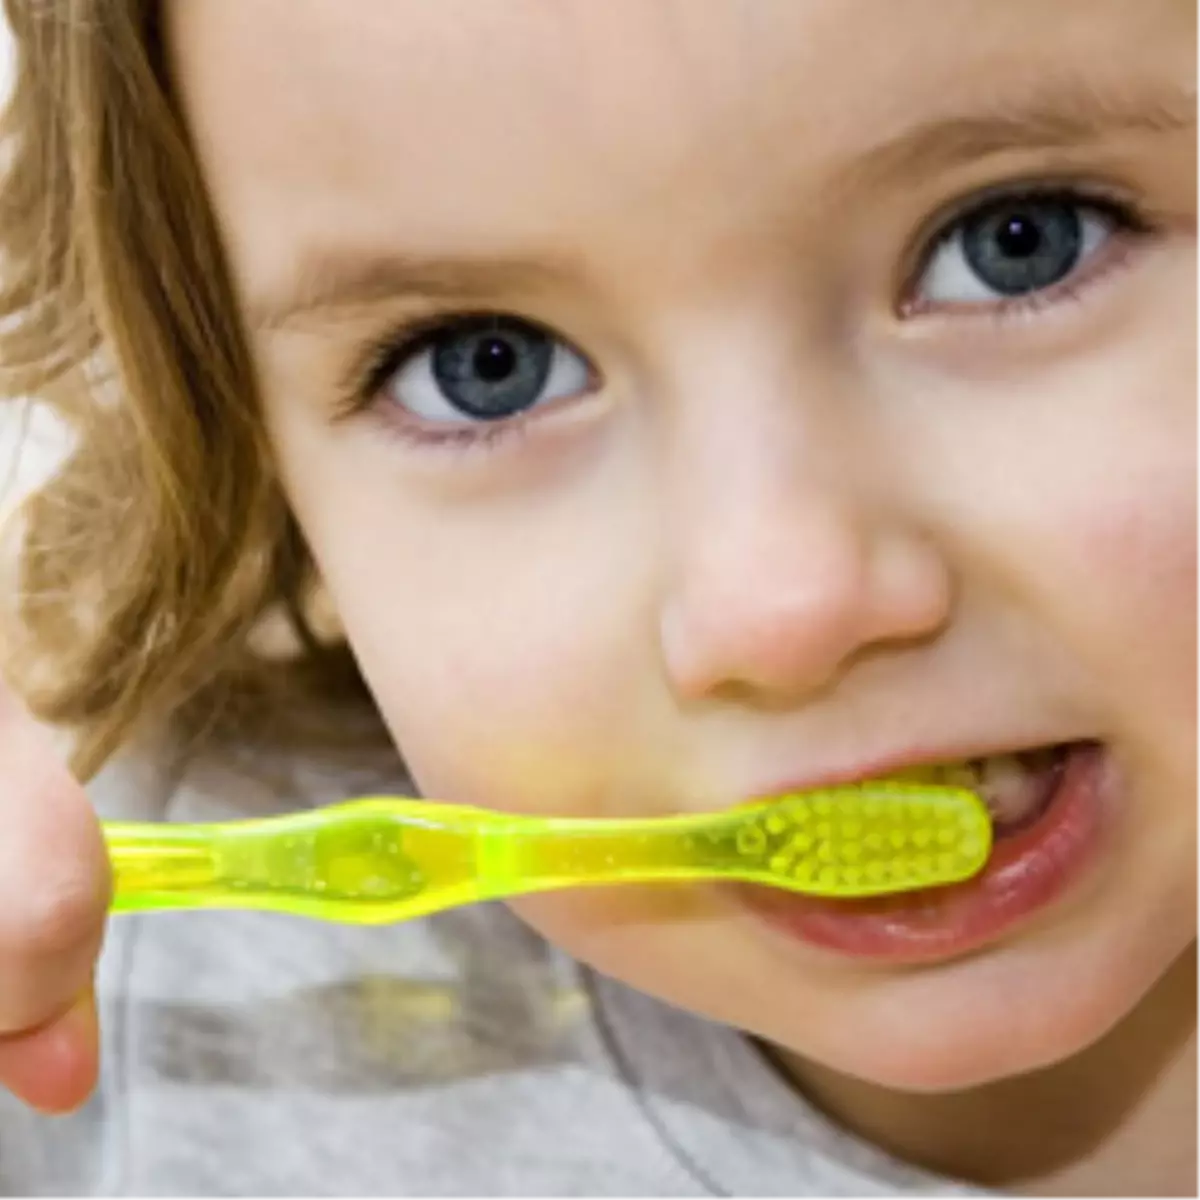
749 641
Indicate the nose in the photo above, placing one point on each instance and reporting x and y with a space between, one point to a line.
776 587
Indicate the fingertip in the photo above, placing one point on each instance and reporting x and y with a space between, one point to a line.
54 1068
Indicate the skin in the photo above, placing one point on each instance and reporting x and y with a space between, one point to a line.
797 525
54 889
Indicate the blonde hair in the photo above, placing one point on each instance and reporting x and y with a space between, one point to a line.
149 561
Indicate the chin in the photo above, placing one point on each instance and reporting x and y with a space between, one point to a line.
1008 1012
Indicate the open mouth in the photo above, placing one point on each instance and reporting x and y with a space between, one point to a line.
1049 806
1017 788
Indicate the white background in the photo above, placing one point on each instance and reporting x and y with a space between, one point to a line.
36 450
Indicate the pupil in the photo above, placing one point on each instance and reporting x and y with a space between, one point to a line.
1018 237
495 360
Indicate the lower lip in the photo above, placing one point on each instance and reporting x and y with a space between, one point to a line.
1027 870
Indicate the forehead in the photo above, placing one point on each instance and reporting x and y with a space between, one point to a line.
455 125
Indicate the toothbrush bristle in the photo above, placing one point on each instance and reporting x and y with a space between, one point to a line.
869 840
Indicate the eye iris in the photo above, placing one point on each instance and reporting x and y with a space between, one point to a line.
1023 248
492 371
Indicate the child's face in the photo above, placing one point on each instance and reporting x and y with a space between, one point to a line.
757 479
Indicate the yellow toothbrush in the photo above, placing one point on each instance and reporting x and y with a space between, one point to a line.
388 859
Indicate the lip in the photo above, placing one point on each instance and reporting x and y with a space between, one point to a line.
1029 869
898 762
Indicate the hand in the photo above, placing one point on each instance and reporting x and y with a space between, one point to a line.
54 891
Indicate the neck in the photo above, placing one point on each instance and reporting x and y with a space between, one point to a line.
1118 1119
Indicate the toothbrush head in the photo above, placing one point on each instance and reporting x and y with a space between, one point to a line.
870 839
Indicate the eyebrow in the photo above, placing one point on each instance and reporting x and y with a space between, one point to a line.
331 284
1050 119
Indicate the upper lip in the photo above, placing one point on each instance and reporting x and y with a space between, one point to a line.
891 762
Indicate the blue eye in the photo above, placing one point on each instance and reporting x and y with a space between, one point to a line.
1014 247
485 369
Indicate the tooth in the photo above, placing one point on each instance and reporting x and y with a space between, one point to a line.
1008 788
964 777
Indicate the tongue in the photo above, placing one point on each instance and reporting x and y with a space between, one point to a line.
1017 788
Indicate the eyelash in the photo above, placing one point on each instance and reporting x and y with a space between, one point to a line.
381 358
1130 221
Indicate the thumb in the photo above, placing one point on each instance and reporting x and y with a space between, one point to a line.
53 1068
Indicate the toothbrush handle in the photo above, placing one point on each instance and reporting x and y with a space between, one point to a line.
572 853
365 867
158 866
361 863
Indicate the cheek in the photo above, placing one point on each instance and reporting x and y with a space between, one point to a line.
1122 579
505 710
1075 517
504 646
1139 552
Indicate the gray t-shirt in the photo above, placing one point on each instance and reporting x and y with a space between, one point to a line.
251 1054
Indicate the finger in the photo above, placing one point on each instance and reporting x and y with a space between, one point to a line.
54 1068
54 878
